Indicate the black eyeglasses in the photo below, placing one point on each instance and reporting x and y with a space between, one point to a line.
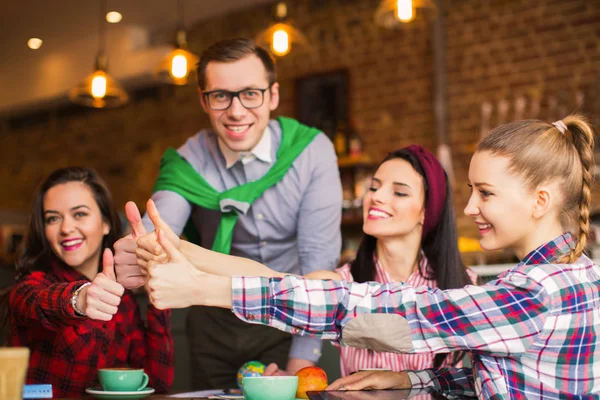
220 100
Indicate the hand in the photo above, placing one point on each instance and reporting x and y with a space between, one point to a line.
372 380
273 370
129 274
148 248
101 299
176 284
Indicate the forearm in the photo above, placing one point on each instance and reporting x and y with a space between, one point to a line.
37 303
213 291
223 264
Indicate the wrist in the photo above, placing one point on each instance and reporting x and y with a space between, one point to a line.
404 380
214 290
78 299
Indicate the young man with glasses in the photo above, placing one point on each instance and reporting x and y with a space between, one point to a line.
264 189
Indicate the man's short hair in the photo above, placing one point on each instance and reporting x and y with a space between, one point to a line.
231 50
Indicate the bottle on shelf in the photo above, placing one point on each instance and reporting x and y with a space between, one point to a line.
354 142
340 140
348 196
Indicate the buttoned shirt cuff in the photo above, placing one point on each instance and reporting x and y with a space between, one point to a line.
250 299
251 302
306 348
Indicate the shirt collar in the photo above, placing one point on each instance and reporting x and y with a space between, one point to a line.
549 252
262 151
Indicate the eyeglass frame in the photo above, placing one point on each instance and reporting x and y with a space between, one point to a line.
234 95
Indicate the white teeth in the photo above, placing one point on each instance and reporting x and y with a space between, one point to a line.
238 128
485 226
379 214
72 242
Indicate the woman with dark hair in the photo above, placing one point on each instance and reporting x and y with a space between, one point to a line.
66 305
409 236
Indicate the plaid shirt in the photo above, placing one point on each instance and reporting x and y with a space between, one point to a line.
533 332
67 350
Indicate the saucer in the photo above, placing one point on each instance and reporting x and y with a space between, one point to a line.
129 395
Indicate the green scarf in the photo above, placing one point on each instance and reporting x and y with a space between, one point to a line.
178 176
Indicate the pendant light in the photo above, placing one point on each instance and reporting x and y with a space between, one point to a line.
98 89
179 66
280 36
393 13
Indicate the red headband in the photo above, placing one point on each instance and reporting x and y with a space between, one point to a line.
436 183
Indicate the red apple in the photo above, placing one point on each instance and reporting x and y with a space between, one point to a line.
310 378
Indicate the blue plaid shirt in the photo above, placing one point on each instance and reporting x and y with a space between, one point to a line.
532 333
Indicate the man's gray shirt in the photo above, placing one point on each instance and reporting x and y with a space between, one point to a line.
293 227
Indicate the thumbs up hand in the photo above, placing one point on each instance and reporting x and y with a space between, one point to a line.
100 299
175 284
148 248
129 274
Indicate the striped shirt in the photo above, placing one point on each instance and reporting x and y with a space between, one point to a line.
353 359
533 332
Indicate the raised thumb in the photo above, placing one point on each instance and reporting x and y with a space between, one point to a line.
172 252
155 215
135 219
108 265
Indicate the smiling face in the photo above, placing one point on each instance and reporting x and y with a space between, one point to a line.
74 226
240 128
501 205
394 204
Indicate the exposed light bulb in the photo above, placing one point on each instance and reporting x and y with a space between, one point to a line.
179 66
114 17
281 42
34 43
404 10
99 85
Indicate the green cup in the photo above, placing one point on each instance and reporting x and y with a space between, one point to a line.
270 387
122 379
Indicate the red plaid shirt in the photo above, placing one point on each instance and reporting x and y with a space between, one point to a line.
67 350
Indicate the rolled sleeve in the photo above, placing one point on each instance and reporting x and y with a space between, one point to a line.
250 299
283 303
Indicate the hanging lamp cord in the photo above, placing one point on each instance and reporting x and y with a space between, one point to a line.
181 37
101 57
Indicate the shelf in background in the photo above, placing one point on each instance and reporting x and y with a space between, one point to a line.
355 161
352 221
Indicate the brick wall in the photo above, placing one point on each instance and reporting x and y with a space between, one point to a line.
500 52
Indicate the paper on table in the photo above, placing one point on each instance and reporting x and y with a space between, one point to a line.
200 393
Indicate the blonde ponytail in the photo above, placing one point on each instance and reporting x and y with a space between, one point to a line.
582 135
